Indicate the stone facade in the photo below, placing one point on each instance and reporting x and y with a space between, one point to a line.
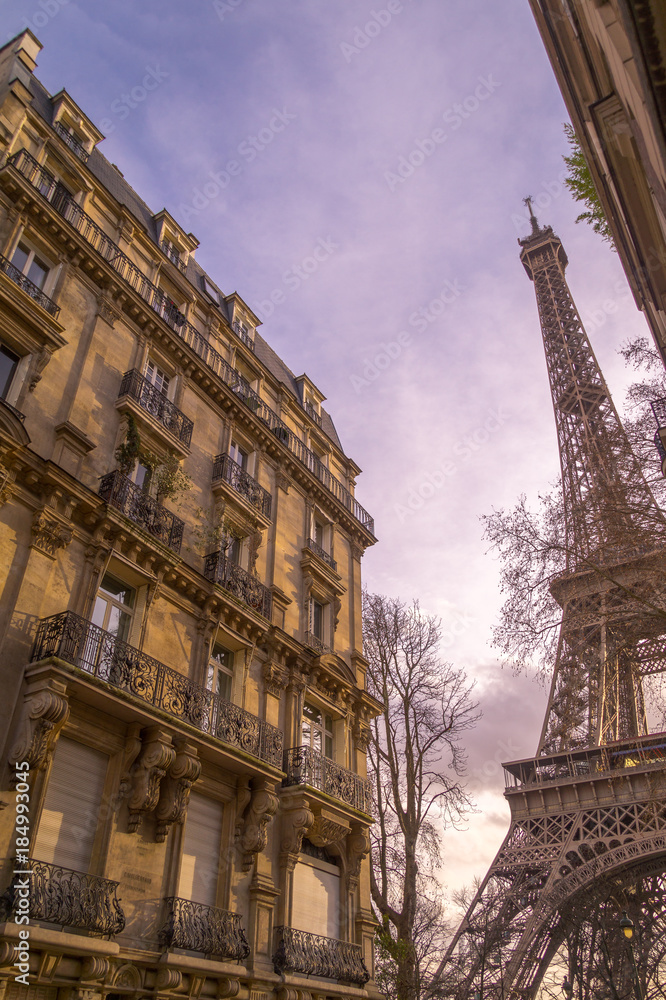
182 673
609 57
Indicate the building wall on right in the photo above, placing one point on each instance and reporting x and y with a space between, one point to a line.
609 57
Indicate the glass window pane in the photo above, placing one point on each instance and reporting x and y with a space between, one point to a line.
20 257
120 591
37 272
99 611
8 363
224 685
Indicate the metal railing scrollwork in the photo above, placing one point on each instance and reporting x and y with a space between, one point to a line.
102 654
144 510
137 387
68 898
19 278
305 766
206 929
225 468
314 955
219 569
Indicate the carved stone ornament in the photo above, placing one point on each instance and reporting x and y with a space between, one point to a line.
127 976
295 824
107 311
38 365
7 484
282 480
94 967
256 539
168 979
362 735
325 831
337 607
358 847
45 712
254 834
356 551
175 788
153 762
227 987
50 532
275 678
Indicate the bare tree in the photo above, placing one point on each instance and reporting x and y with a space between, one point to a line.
416 762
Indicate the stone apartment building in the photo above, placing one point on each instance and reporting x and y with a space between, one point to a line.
184 810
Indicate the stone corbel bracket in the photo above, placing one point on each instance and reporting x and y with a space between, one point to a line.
151 765
295 824
175 788
261 809
45 712
358 848
50 531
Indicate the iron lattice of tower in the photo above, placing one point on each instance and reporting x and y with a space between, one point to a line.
588 813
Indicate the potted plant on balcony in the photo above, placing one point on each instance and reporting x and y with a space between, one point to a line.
129 450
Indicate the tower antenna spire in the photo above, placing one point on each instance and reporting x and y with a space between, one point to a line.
533 219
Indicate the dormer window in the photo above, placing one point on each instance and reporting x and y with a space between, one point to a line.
244 332
173 252
68 134
313 411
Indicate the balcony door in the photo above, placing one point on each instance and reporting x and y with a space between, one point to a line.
317 730
316 906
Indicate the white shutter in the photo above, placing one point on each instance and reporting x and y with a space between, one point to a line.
200 862
71 809
316 906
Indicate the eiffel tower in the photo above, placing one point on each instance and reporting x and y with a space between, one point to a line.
587 839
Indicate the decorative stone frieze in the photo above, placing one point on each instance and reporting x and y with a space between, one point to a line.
50 531
327 830
275 678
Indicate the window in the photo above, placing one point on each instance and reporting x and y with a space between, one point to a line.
238 455
114 607
317 730
220 671
31 265
201 850
317 619
157 377
8 365
72 805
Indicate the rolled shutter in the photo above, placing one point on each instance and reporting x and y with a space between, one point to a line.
200 862
70 815
316 906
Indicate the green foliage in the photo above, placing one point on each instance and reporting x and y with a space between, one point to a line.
127 453
582 187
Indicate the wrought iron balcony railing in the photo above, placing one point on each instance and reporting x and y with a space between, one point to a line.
312 412
63 203
74 144
314 955
243 336
137 387
101 654
169 250
318 551
67 897
206 929
28 286
305 766
17 413
121 493
220 569
314 642
225 468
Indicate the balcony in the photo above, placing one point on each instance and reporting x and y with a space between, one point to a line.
305 766
221 570
314 955
101 654
63 203
170 251
318 551
154 402
224 468
29 287
206 929
70 140
121 493
314 642
66 897
243 335
312 412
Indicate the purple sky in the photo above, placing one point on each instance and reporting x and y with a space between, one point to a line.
400 138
